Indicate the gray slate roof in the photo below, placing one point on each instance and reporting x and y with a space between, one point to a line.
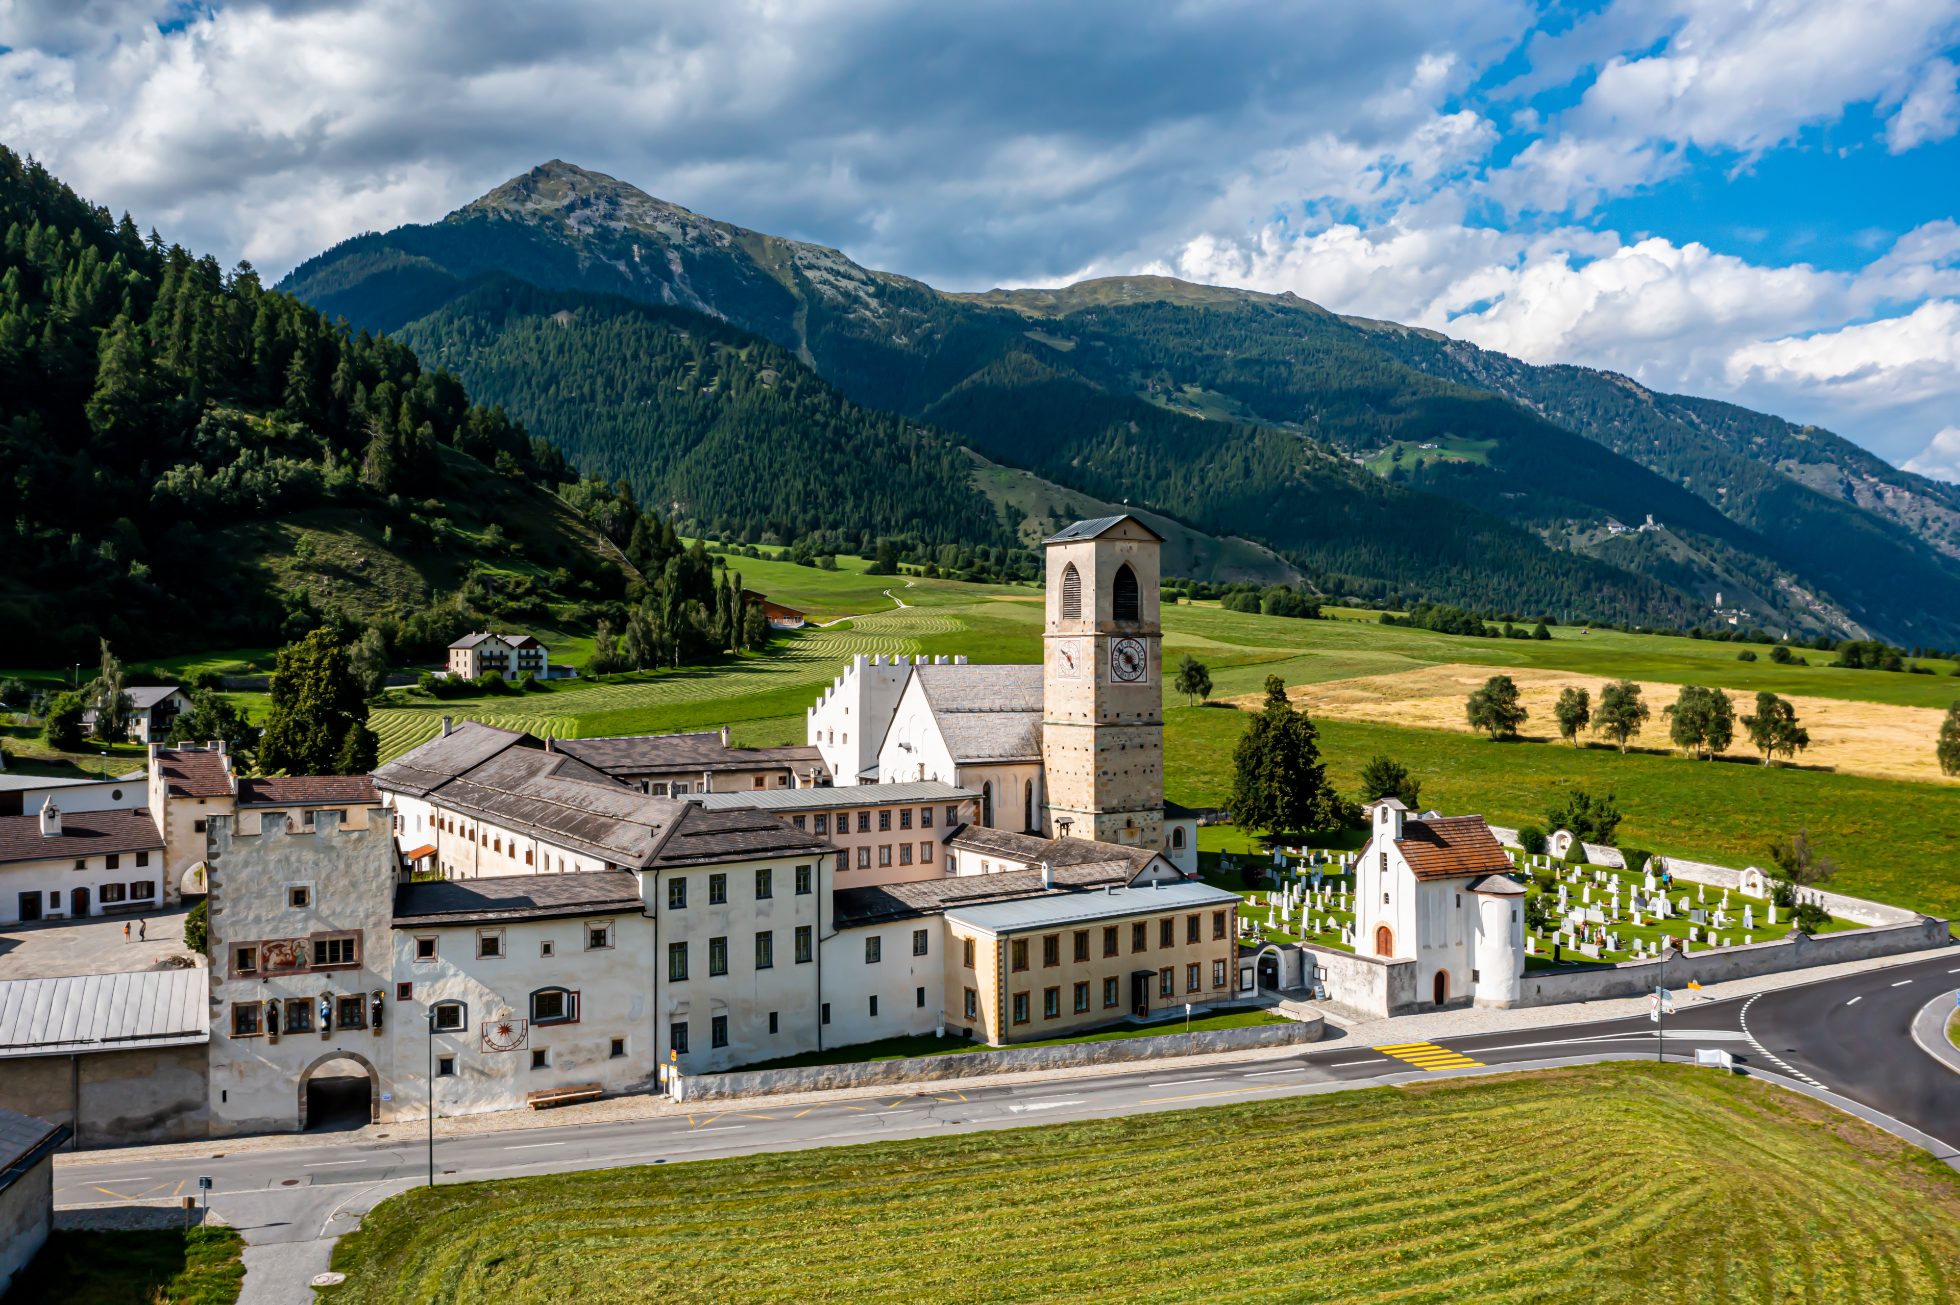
564 800
883 903
1094 527
703 750
421 770
705 837
515 897
145 696
24 1140
1032 849
827 799
104 1012
985 713
1052 911
83 833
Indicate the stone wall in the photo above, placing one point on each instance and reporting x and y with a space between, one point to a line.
816 1078
150 1094
26 1210
1856 909
1632 978
1373 986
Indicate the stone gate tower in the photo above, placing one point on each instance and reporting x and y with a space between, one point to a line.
1102 731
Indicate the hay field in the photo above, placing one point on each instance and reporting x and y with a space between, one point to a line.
1621 1182
1859 738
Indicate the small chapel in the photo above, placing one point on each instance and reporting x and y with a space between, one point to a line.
1070 748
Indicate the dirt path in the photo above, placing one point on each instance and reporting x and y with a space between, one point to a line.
1861 738
900 603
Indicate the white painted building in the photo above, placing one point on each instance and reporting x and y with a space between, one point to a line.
55 866
974 727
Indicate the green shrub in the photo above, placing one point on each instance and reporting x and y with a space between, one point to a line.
1532 839
197 927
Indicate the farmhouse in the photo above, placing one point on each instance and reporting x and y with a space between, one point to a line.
154 709
511 655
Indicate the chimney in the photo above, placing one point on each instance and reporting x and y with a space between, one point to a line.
1047 875
724 736
448 725
50 819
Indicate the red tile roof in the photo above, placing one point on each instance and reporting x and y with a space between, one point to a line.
85 833
1450 847
307 791
194 772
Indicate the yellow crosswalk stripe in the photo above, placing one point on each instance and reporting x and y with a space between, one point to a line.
1429 1056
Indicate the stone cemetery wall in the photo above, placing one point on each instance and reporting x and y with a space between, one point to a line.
1368 985
1633 978
1856 909
1007 1060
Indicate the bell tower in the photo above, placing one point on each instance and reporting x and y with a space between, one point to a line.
1102 730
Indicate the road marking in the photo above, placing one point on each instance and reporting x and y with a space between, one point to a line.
1372 1060
1187 1082
720 1128
1046 1105
887 1114
1902 983
1429 1056
1193 1096
323 1164
532 1146
1742 1018
1268 1073
1855 1000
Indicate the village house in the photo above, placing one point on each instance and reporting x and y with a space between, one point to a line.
511 655
882 833
154 708
59 866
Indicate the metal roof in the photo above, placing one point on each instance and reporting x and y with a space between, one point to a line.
104 1012
24 1142
825 799
1074 908
12 783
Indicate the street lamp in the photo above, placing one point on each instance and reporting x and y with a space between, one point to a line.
432 1095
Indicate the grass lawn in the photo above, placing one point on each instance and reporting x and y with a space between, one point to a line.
1625 1182
925 1044
1953 1028
201 1266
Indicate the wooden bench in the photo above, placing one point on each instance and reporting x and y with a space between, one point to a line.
563 1096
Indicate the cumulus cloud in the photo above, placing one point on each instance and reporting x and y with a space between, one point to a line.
1940 458
1930 111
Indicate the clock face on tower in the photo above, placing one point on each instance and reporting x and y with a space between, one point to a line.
1129 661
1068 659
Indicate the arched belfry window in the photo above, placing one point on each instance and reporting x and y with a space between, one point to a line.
1071 593
1123 596
987 804
1027 818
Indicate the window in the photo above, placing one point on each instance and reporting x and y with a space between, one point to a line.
445 1067
404 992
143 890
299 1015
677 1036
489 945
864 858
598 937
197 826
925 854
1123 604
717 890
919 942
425 949
987 803
905 854
1177 838
1218 924
1191 977
905 818
1167 932
925 817
822 822
765 950
1112 992
803 881
1081 944
1166 982
761 781
342 950
1051 1003
547 948
841 861
765 884
1192 926
676 962
540 1058
1109 940
718 1031
799 821
717 957
823 1014
864 822
554 1006
112 862
1218 974
245 1017
874 949
142 859
804 944
111 893
874 1007
1051 951
1071 593
966 952
1020 1008
952 816
772 1023
618 1051
1140 937
919 998
1018 950
884 854
497 845
350 1012
677 894
972 1007
450 1016
1081 998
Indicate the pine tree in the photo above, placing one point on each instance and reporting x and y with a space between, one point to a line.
1278 782
318 721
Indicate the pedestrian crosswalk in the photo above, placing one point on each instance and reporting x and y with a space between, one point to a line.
1427 1055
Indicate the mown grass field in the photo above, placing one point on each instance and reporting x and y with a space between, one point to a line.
1622 1182
198 1266
925 1044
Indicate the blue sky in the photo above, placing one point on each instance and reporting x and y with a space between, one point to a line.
1749 199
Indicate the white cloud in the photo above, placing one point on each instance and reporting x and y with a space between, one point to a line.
1930 111
1940 459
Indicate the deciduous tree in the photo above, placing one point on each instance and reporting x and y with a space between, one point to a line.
1701 721
1773 729
1949 745
1495 708
318 721
1193 679
1574 713
1591 819
1621 712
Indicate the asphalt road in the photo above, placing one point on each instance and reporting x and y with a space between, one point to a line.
1850 1035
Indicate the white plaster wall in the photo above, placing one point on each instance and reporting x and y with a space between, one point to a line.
490 848
109 795
1009 783
59 875
615 988
912 748
1184 858
849 721
849 982
26 1213
1500 950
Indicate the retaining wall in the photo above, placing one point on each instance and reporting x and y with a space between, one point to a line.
1796 952
914 1069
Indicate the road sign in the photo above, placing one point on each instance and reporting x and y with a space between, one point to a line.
204 1182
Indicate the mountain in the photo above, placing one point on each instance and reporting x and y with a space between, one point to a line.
1382 463
194 461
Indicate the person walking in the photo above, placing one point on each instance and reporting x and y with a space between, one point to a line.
142 931
125 931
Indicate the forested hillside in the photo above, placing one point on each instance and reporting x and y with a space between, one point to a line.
163 423
724 430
